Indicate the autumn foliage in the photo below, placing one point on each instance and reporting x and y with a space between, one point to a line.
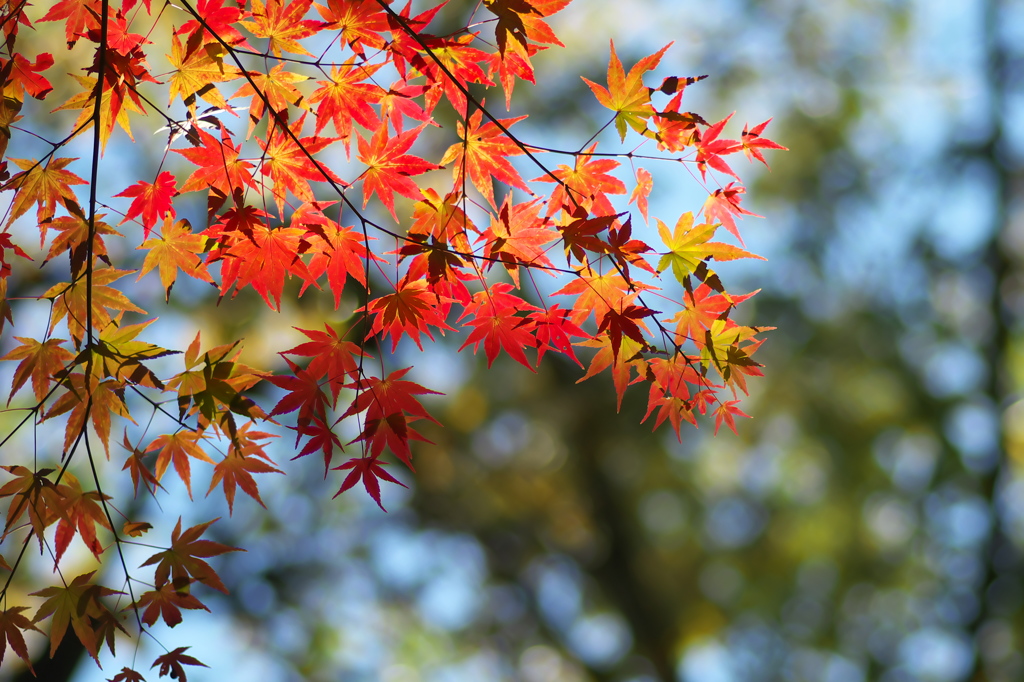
353 148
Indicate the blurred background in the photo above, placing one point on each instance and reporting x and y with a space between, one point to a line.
866 524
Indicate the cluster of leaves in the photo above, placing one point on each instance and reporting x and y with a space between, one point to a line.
276 211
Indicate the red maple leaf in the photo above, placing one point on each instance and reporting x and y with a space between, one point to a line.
152 201
710 149
23 75
219 167
219 22
340 252
79 16
171 663
183 561
408 311
753 143
264 259
360 23
727 412
495 324
390 405
369 469
723 204
305 395
553 329
333 358
389 168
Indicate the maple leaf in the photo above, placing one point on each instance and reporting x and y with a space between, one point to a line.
219 167
390 407
399 102
136 465
263 260
333 358
288 163
483 154
79 16
727 412
408 311
81 513
341 252
321 437
276 88
177 448
670 393
723 204
45 185
92 397
710 149
183 561
495 324
118 354
305 395
71 298
171 663
675 129
7 245
283 25
628 356
114 108
220 21
553 329
723 349
596 293
753 143
74 237
197 70
40 361
245 457
78 604
12 623
165 602
628 321
127 675
580 234
625 250
517 235
689 247
389 168
359 23
626 94
369 469
520 21
31 492
443 219
644 185
176 248
585 185
701 310
345 99
136 529
21 76
152 201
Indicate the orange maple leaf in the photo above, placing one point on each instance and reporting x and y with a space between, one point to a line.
45 185
176 248
483 154
626 94
283 25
